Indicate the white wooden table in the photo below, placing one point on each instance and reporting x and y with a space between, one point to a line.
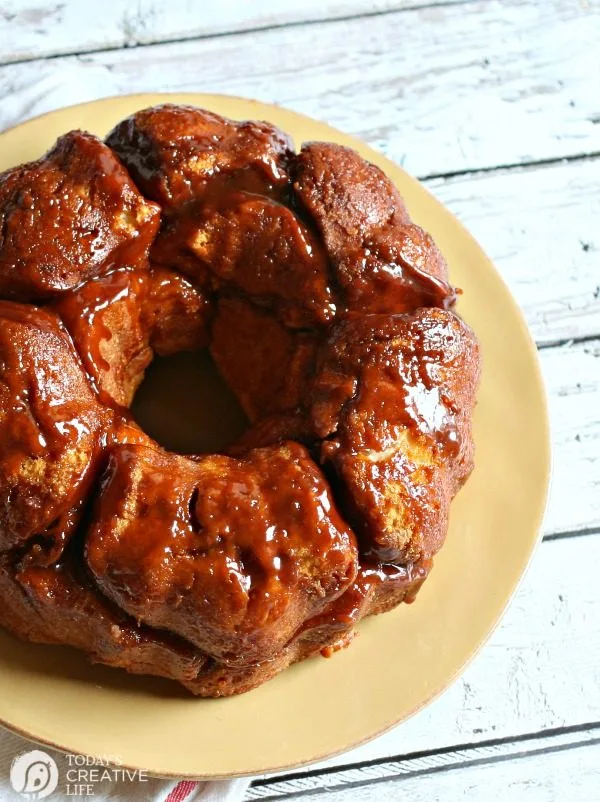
496 107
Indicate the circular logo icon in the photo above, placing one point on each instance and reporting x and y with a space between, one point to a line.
34 774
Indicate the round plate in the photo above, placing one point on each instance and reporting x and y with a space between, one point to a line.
320 707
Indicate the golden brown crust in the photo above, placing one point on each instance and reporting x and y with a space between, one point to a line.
392 400
72 215
381 261
326 311
174 153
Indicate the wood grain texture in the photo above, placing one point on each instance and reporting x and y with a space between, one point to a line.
540 227
523 681
439 89
33 30
572 375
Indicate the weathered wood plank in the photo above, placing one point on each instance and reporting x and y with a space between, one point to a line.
540 226
439 89
538 776
33 30
539 671
572 374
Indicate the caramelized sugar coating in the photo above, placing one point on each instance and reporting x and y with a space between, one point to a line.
392 400
258 247
176 153
119 321
72 215
326 311
231 554
386 401
265 364
51 426
228 226
382 262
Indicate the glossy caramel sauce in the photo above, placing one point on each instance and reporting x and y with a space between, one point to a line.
232 554
51 427
68 217
120 320
82 310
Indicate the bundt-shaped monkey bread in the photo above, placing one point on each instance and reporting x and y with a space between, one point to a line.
329 315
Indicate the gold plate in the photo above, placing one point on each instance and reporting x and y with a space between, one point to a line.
401 660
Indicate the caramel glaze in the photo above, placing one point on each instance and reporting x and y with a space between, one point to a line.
386 409
258 247
119 321
392 400
72 215
226 189
381 261
232 555
53 433
51 427
176 153
327 312
376 589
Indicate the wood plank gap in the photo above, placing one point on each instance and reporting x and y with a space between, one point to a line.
550 741
239 32
509 167
592 530
568 341
490 742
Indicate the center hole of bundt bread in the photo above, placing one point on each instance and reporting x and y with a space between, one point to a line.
184 404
